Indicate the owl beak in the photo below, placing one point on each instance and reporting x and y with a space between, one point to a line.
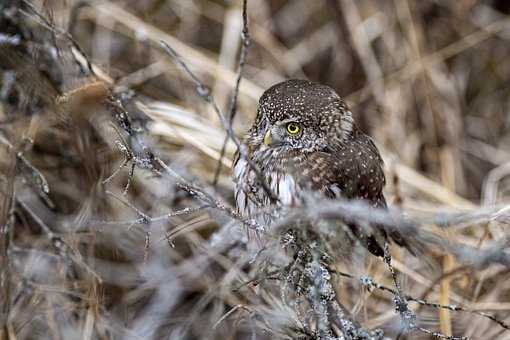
268 138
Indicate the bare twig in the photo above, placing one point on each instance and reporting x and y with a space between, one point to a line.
370 284
204 93
58 32
245 44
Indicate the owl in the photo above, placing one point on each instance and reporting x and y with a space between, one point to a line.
304 139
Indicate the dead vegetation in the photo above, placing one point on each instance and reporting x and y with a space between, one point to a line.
116 221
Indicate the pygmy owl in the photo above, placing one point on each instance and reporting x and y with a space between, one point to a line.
304 139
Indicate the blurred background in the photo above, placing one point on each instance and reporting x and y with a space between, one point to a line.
429 80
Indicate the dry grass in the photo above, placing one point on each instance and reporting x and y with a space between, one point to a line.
111 226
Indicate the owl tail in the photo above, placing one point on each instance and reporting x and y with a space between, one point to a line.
373 243
368 241
397 237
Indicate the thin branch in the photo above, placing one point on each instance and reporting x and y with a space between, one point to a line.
370 284
204 93
43 21
245 44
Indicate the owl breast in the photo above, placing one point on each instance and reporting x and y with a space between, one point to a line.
251 197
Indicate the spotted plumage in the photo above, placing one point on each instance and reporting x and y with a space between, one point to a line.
304 138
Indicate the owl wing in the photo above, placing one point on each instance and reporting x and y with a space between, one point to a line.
354 170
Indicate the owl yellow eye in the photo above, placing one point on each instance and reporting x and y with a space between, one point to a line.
293 128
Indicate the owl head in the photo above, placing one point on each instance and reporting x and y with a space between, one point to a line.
300 115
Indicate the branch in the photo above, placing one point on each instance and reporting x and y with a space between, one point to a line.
204 93
245 44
